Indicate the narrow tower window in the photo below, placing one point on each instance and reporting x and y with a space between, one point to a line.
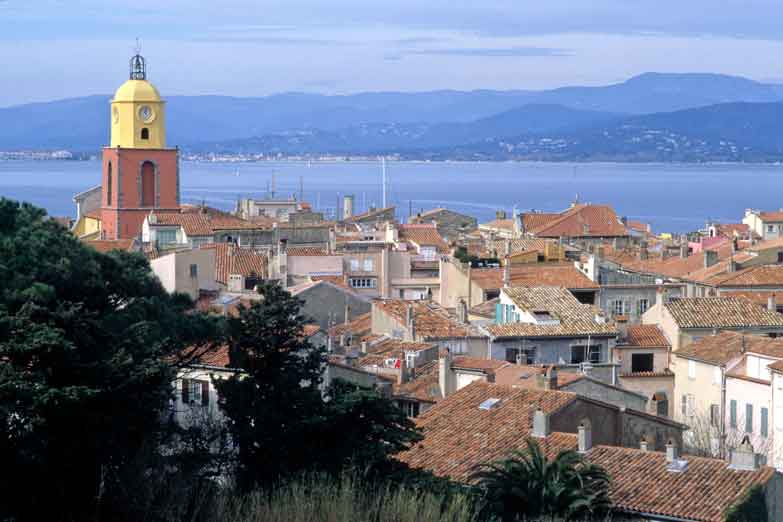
148 184
108 185
145 133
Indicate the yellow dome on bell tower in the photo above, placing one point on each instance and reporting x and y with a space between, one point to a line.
138 118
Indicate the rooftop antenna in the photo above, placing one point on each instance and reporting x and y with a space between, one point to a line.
383 181
301 188
272 196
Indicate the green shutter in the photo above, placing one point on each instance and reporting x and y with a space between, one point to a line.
748 418
764 422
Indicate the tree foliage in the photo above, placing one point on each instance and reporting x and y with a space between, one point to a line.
282 421
527 486
84 379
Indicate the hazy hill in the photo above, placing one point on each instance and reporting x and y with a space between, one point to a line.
82 123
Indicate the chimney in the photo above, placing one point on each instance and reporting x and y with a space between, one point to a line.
445 375
600 253
732 266
500 214
684 250
540 424
403 369
643 443
734 246
507 273
652 405
672 452
508 247
282 261
710 258
622 329
347 313
643 254
364 346
585 438
348 206
772 306
410 323
462 312
342 340
743 457
550 380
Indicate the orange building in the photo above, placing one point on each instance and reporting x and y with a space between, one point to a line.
139 172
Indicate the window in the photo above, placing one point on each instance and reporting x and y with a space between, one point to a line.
147 184
684 405
362 283
166 236
748 418
780 257
618 307
411 409
642 305
354 265
764 422
691 369
194 271
195 392
641 362
733 413
714 415
526 355
581 353
108 184
368 265
145 133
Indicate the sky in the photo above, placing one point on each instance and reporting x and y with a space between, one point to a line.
53 49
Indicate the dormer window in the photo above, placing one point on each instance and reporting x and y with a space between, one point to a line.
145 133
543 315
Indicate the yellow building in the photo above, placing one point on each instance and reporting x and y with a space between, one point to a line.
138 118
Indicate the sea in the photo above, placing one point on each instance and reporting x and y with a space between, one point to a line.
671 197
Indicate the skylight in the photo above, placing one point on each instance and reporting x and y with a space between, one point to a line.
489 404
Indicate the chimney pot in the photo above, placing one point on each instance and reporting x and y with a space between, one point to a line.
585 437
672 452
744 457
643 444
772 304
540 424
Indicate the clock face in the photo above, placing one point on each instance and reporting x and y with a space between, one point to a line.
115 114
146 113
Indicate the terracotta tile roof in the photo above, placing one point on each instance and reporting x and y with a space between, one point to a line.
762 275
776 366
474 363
231 259
458 436
497 248
638 226
582 221
574 319
425 386
534 220
721 348
759 298
524 376
766 245
645 336
674 266
432 321
665 373
486 309
732 229
196 222
772 216
390 345
561 275
423 235
307 251
641 483
216 356
378 212
720 312
360 325
334 279
499 224
720 269
107 245
310 330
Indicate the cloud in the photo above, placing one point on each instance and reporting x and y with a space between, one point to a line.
495 52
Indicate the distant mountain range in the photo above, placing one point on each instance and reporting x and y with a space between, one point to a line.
654 116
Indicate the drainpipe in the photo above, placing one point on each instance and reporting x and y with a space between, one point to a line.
722 428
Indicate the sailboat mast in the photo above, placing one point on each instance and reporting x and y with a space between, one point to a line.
383 180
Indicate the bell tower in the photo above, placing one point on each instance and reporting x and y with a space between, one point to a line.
139 172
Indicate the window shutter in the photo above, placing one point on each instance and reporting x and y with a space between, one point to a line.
499 313
185 391
733 414
205 393
749 418
764 422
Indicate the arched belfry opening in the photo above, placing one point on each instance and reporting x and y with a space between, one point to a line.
145 133
109 183
148 184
